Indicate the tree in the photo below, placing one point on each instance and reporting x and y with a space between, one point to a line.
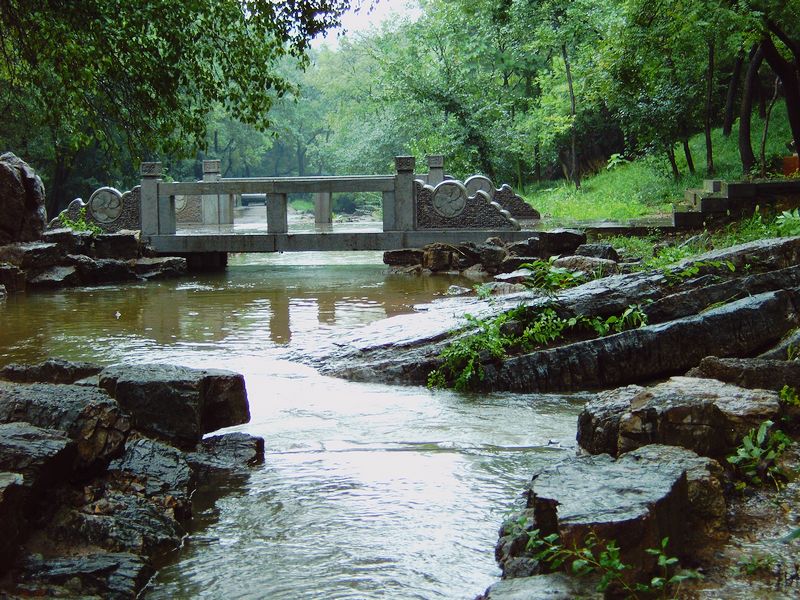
143 74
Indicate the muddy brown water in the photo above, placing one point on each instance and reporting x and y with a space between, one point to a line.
368 490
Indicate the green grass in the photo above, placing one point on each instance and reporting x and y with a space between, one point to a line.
644 187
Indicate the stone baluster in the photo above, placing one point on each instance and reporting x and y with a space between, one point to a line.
435 169
157 217
404 195
323 214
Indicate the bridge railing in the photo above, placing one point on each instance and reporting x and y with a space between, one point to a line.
158 196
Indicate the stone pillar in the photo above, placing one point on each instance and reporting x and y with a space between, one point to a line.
148 197
217 209
323 212
435 169
404 194
277 219
387 206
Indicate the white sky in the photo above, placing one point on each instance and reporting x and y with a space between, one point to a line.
364 20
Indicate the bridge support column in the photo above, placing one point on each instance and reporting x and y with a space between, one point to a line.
156 217
277 218
217 209
435 169
323 214
404 194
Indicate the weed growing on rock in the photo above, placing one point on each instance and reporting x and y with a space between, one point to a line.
756 563
517 332
755 460
80 224
676 276
602 558
788 395
788 222
546 277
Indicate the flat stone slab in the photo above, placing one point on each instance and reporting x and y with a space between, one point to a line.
549 586
178 404
52 370
751 373
117 576
43 457
227 454
12 516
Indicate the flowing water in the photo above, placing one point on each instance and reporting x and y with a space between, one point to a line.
368 490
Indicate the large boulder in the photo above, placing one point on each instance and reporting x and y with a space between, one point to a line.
405 257
12 278
591 266
54 278
178 404
548 586
635 502
596 250
84 414
21 201
32 256
119 246
560 241
70 241
160 267
221 456
704 415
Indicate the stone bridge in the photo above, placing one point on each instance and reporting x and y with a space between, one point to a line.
416 210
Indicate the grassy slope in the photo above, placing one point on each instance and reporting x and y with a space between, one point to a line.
645 187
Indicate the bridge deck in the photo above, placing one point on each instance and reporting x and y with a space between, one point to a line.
322 241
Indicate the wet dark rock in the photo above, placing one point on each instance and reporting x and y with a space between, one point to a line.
33 256
405 257
560 241
12 278
120 246
116 576
162 267
43 457
158 471
13 524
3 292
437 257
598 423
515 263
21 201
178 404
549 586
750 372
224 455
706 523
592 267
605 251
52 370
70 241
54 278
630 500
101 270
86 415
786 349
517 276
491 256
118 522
740 328
529 247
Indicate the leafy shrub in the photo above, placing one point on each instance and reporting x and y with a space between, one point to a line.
549 278
755 460
80 224
788 222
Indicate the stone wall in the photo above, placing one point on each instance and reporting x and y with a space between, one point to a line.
108 208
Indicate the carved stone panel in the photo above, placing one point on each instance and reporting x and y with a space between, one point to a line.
105 205
479 182
449 198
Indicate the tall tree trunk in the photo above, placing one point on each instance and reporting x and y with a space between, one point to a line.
758 89
733 89
788 74
301 160
766 128
676 174
745 145
574 175
688 153
709 98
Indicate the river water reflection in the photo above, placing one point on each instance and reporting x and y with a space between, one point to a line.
368 490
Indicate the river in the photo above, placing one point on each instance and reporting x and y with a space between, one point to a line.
368 490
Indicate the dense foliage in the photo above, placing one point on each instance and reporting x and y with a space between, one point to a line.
521 90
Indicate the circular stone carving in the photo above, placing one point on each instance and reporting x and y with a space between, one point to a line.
105 205
479 182
449 198
180 203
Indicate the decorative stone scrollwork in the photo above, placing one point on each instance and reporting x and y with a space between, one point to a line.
479 182
105 205
449 198
150 169
404 163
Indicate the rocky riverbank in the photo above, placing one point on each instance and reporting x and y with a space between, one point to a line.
98 467
710 376
33 258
